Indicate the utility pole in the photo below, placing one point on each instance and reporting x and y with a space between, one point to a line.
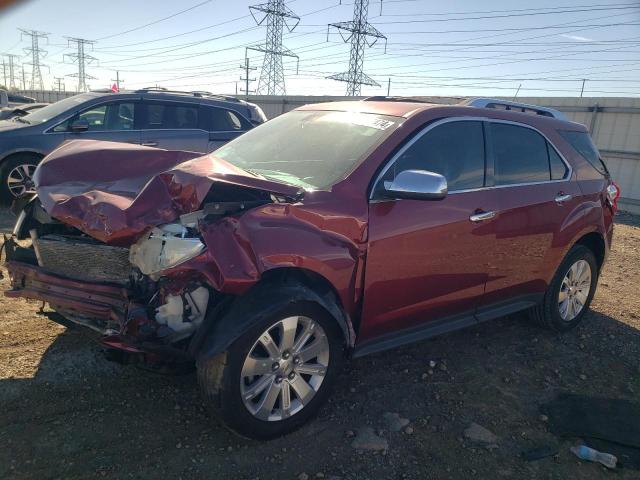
82 59
360 33
117 79
4 73
59 85
276 16
584 80
389 87
246 78
12 59
37 54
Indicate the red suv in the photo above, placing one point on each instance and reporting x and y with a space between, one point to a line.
337 228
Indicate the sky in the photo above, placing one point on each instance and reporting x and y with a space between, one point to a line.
458 47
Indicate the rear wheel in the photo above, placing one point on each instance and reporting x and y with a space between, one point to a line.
16 176
570 292
278 374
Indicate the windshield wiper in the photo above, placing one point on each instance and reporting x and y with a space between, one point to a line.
21 120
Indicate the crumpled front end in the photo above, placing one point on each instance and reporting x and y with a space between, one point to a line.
150 260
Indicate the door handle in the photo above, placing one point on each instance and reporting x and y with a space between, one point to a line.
149 144
561 198
482 216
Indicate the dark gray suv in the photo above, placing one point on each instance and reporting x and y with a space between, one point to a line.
194 121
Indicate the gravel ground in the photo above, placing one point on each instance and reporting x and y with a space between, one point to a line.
68 413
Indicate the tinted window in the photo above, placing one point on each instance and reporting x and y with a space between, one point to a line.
582 143
171 116
520 155
221 120
454 150
101 118
556 165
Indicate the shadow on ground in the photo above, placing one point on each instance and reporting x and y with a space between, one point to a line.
84 417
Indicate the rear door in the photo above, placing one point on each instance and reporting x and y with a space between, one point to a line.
427 260
173 125
536 204
223 125
113 121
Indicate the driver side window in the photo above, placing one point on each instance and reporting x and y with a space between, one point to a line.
453 149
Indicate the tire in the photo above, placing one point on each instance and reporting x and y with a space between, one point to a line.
550 313
18 166
223 383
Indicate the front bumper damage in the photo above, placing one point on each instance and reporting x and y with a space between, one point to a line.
153 319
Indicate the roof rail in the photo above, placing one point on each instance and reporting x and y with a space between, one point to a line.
381 98
197 93
515 106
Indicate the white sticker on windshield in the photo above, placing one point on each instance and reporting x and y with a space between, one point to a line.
362 119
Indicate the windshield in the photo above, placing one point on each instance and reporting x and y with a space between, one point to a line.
308 149
55 109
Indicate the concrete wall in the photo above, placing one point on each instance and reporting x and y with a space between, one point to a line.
614 124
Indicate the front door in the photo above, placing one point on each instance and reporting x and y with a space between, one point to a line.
113 122
427 260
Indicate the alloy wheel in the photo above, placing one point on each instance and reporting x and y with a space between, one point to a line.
574 290
20 179
284 368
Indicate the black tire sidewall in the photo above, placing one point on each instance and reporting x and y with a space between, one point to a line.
6 197
552 311
232 408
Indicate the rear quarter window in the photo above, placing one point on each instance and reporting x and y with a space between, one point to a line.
582 143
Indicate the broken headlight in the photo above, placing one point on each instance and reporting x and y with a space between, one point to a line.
164 247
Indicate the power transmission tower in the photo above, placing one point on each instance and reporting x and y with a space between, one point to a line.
276 16
246 78
24 78
12 70
37 54
82 59
59 84
360 33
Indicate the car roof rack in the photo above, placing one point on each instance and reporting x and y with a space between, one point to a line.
515 107
196 93
382 98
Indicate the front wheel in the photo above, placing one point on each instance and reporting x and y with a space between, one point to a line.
570 292
16 176
277 375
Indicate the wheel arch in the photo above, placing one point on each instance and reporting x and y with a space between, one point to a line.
14 153
594 241
277 288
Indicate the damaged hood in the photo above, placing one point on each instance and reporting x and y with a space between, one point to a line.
114 192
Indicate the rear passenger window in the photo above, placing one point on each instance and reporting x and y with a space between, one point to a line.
454 150
171 116
520 155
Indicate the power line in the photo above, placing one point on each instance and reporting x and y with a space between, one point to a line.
359 31
156 21
82 59
276 15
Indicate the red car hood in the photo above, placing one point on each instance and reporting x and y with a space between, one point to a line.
116 191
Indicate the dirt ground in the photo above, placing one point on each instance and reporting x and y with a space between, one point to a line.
66 412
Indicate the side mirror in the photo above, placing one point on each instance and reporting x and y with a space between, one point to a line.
417 185
79 126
